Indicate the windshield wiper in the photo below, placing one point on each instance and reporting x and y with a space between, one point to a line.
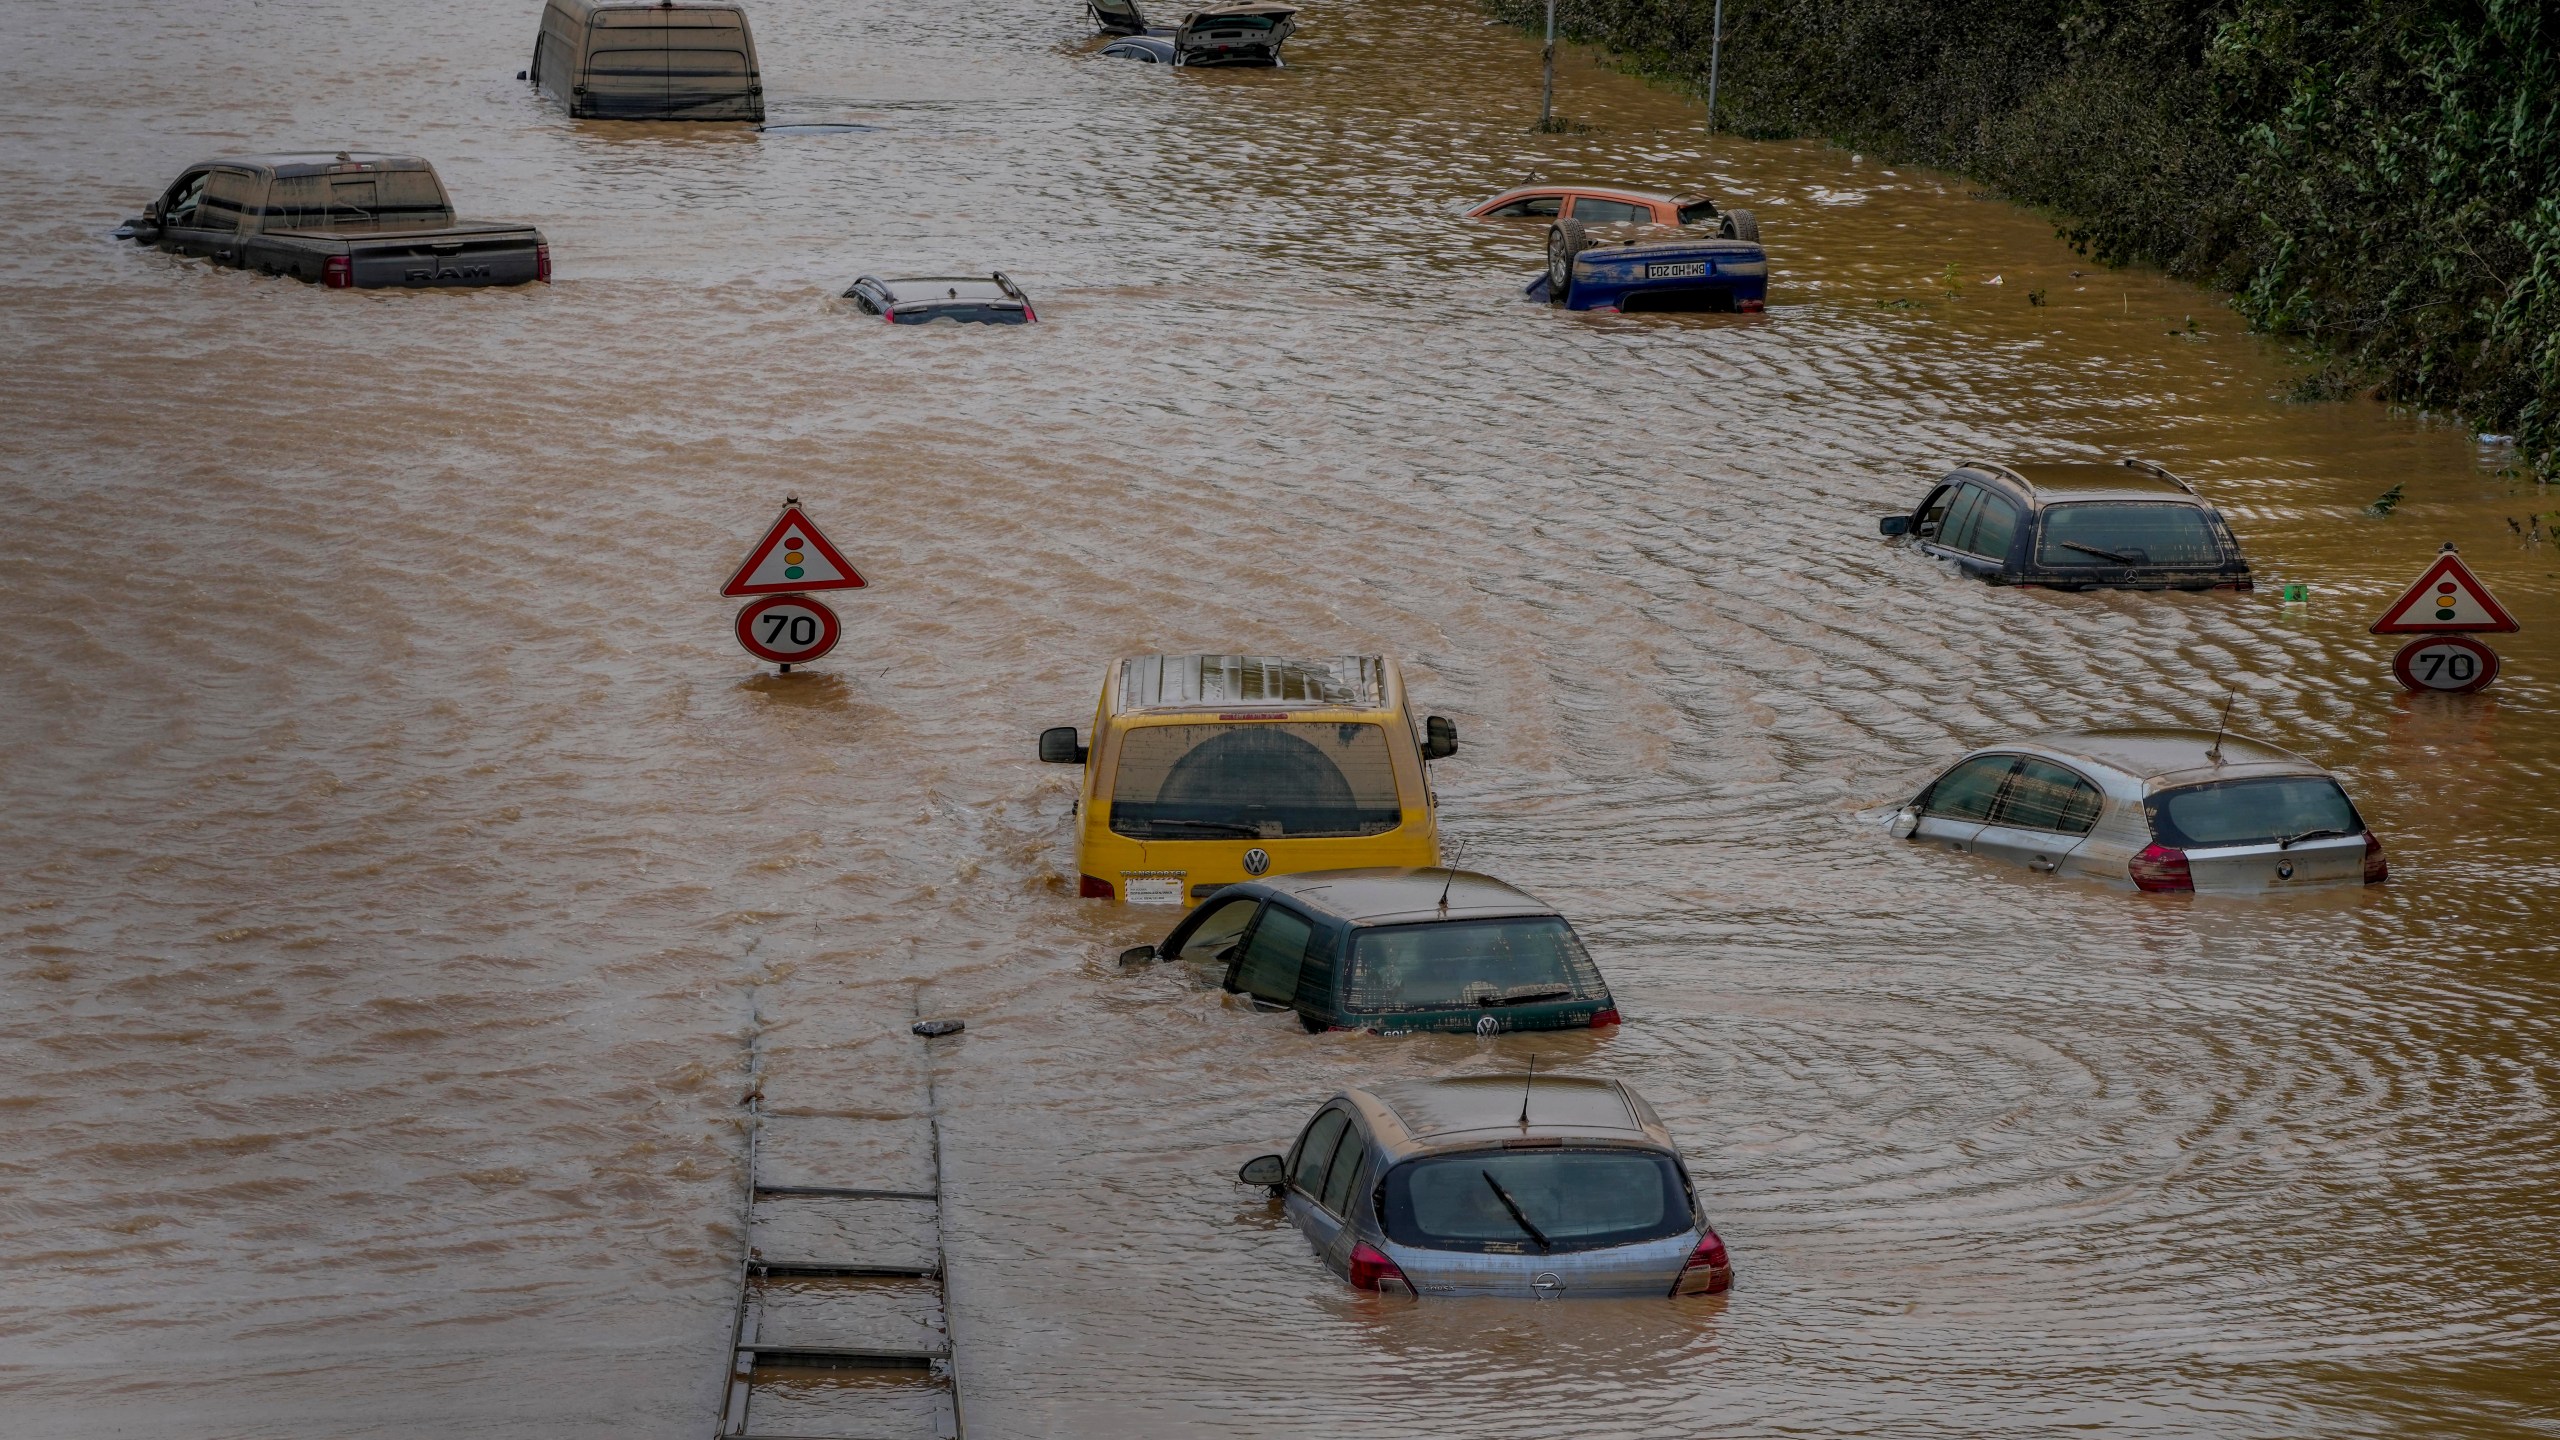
1544 1245
1214 827
2287 842
1523 994
2094 550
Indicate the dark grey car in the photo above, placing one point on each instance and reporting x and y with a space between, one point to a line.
2078 526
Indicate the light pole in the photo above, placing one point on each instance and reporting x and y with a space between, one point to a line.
1547 97
1715 56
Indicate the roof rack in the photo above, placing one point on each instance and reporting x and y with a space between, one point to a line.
2159 471
1994 467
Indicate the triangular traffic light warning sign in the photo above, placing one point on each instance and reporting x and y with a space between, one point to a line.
793 556
2448 599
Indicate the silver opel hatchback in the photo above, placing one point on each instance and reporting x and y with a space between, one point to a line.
2167 810
1534 1187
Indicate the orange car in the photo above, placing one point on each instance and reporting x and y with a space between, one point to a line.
1609 204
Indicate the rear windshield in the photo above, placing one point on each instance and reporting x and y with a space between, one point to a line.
1007 313
1693 214
2137 532
1576 1199
1469 963
1234 22
385 197
1261 781
2249 812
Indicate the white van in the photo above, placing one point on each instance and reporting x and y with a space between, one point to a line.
619 60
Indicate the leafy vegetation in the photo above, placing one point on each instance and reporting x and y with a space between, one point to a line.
2380 178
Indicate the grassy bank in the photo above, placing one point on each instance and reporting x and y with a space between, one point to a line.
2381 179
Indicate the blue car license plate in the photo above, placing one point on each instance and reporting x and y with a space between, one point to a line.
1676 270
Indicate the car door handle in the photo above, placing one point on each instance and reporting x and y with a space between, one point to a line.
2041 864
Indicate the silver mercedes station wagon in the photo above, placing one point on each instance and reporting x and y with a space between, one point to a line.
1534 1187
2166 810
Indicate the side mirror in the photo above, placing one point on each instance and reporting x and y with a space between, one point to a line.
1058 746
1138 955
1439 739
1893 525
1904 821
1269 1171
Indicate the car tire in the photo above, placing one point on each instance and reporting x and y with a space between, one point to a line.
1565 240
1738 225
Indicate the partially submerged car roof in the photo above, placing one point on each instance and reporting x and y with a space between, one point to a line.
1386 896
925 289
2052 480
1477 1110
2164 758
320 162
1202 682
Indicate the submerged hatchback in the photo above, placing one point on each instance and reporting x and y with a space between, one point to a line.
2165 810
2130 525
1395 951
1536 1188
1205 770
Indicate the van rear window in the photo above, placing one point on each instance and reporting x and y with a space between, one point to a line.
1253 781
2140 532
1575 1199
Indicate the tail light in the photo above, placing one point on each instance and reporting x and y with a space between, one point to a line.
1751 307
1028 314
1093 887
2162 868
542 263
338 272
1373 1271
1608 1016
2376 869
1709 1271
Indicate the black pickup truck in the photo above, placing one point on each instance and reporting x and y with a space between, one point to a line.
348 221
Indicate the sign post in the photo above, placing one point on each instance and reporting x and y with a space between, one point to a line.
780 622
2443 609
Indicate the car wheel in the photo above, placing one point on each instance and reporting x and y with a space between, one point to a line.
1565 240
1738 225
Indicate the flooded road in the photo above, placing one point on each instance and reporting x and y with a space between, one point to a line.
397 846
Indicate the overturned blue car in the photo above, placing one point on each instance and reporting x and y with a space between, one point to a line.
1656 269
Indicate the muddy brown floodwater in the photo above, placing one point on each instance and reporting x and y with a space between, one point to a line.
395 843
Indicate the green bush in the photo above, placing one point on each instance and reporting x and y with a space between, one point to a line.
2381 179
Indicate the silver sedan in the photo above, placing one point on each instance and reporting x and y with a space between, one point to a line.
2165 810
1497 1185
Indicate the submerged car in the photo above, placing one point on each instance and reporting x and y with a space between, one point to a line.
1395 952
2076 526
1649 268
1206 770
1236 34
648 60
1531 1187
1616 205
2163 810
1146 49
917 300
352 220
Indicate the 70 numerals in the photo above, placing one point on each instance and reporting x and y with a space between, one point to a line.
801 631
2457 666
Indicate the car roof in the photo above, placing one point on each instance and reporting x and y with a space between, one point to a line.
1197 682
2166 757
316 162
1471 1110
920 289
1383 895
1196 13
2048 482
1618 192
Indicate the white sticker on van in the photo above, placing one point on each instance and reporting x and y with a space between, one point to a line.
1153 887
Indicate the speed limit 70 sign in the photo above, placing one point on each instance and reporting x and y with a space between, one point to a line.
787 629
2451 664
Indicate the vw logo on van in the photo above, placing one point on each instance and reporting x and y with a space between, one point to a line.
1489 1025
1256 860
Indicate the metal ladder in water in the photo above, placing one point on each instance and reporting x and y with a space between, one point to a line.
904 1387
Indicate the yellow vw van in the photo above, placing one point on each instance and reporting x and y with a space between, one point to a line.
1209 769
